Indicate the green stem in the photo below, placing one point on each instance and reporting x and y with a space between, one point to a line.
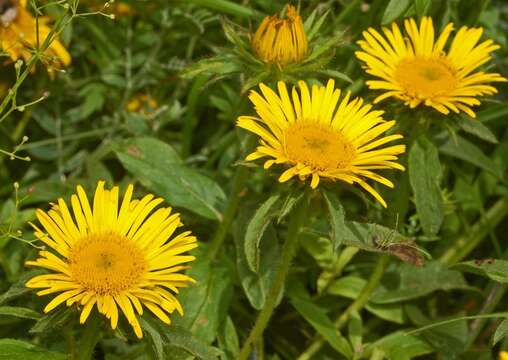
191 118
239 181
71 343
288 251
355 306
464 245
461 318
495 292
90 337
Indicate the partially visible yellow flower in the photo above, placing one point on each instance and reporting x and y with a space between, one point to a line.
121 9
141 103
119 258
117 8
18 34
317 136
281 40
503 355
416 68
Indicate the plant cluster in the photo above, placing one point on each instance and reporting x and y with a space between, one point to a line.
212 179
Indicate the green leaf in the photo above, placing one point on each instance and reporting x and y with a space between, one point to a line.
336 74
312 27
394 9
254 80
227 7
228 340
11 349
163 338
317 317
501 332
388 312
213 66
336 216
476 128
94 97
18 288
51 321
347 286
425 176
184 339
355 331
492 112
158 168
20 312
462 149
494 269
324 46
422 7
408 282
256 228
400 346
256 284
152 151
154 339
351 287
207 302
289 203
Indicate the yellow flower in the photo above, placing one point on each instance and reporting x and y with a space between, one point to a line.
18 34
281 40
415 68
316 136
117 8
141 102
503 355
117 258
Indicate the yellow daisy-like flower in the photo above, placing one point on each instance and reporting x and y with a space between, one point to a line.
503 355
281 40
415 68
18 33
117 258
318 136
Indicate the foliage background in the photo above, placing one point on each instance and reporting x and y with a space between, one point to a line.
186 149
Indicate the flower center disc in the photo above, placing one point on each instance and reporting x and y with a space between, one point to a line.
106 263
425 78
318 147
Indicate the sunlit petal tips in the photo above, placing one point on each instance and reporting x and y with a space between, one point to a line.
18 34
415 67
318 135
281 40
118 258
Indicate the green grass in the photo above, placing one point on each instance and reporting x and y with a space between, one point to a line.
425 278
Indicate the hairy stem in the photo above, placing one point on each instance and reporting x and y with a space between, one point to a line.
288 251
478 232
355 306
239 180
89 339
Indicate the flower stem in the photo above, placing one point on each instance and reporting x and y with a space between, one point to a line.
355 306
288 251
495 292
464 245
89 339
239 180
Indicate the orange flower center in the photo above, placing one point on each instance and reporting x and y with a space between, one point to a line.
107 263
425 78
319 147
